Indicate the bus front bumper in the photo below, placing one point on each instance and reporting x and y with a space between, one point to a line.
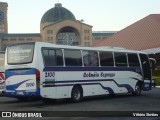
147 85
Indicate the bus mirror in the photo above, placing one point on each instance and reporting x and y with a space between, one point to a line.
152 63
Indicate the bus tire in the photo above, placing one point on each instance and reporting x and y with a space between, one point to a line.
45 100
76 94
138 90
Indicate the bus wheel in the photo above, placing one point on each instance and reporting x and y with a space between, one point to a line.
76 94
137 91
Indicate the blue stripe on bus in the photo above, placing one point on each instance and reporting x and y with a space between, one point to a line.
90 68
137 79
128 87
132 69
15 86
26 93
9 73
110 90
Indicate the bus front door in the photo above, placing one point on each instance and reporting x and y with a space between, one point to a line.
146 72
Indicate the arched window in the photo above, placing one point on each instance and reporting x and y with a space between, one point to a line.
67 36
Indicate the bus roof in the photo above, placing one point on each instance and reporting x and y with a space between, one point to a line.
107 48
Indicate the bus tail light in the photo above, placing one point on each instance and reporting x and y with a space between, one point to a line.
37 75
37 78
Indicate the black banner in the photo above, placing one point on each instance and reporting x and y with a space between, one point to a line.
23 114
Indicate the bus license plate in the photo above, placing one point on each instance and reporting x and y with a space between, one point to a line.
20 92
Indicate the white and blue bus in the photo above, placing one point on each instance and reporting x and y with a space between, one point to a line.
56 71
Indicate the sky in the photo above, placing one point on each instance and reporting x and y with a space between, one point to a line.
24 16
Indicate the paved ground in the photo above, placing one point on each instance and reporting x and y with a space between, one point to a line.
119 105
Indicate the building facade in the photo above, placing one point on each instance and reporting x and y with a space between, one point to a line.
58 25
99 36
142 35
3 17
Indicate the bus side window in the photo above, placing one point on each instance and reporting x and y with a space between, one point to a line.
45 57
120 59
59 58
52 57
106 59
133 60
90 58
52 60
72 57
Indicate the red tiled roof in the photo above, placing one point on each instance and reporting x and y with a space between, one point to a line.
144 34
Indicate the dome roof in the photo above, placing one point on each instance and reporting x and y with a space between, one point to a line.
57 14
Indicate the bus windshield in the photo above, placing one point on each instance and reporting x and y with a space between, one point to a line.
20 53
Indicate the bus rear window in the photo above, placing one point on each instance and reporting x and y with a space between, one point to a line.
20 53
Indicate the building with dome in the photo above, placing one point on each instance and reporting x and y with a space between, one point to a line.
58 25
